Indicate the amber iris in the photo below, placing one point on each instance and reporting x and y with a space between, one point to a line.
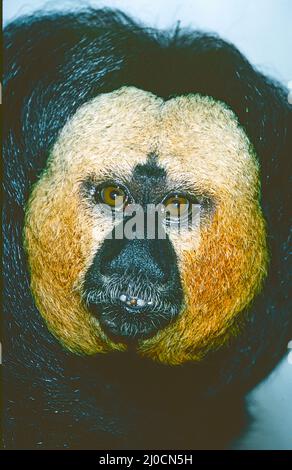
113 196
176 206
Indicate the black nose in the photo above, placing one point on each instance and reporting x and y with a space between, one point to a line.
152 257
134 287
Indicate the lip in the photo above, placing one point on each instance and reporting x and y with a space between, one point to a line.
129 323
134 309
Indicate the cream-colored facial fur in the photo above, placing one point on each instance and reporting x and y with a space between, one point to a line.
196 139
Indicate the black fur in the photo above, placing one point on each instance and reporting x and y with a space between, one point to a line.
53 399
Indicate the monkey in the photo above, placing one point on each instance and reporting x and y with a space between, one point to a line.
139 342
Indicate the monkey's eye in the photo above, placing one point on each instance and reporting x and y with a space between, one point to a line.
113 196
176 207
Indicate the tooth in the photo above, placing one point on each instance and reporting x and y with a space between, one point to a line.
123 298
140 302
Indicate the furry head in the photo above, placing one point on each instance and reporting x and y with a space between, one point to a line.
97 106
201 148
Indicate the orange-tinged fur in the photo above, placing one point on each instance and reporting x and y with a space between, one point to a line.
219 280
196 138
58 253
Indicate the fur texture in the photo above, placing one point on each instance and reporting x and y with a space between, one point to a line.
199 145
54 64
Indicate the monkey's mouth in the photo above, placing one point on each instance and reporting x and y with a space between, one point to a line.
132 318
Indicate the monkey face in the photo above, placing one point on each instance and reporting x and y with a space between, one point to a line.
177 297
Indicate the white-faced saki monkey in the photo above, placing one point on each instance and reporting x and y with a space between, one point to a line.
144 341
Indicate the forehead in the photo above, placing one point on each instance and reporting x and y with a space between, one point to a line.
193 136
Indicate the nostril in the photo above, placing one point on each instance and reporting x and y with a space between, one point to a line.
134 257
155 258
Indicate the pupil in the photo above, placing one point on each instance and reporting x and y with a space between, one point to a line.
115 193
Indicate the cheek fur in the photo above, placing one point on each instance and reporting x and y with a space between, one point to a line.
220 280
59 243
220 275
